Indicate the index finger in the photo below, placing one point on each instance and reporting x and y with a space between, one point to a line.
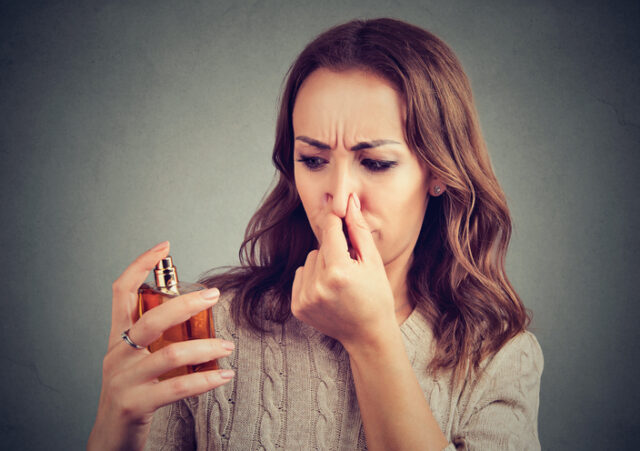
334 248
125 289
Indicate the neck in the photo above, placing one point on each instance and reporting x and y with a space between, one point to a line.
397 271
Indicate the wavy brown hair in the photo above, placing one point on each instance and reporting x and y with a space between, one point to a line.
457 274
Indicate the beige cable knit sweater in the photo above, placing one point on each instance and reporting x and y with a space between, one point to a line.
292 391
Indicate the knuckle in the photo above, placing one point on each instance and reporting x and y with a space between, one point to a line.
360 224
116 286
215 347
180 387
190 303
194 300
211 378
295 309
126 406
107 364
317 291
144 326
173 355
336 277
149 324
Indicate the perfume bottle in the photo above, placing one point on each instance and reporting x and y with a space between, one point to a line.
167 286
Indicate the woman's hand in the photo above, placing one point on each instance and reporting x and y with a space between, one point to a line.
347 298
131 391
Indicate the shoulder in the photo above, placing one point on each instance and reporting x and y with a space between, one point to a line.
521 353
517 365
498 406
511 375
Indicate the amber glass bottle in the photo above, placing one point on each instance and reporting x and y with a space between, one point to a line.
166 287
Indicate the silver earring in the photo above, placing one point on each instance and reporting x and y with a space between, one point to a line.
437 189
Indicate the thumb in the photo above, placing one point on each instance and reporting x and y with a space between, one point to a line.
359 231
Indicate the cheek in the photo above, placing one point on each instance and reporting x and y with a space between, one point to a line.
398 210
306 192
311 200
300 183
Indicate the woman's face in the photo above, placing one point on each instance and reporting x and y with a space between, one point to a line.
349 138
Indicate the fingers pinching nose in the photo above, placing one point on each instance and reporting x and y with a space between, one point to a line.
356 200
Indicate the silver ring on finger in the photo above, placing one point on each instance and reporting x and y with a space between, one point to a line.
125 337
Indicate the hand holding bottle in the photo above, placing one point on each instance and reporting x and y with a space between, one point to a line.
131 391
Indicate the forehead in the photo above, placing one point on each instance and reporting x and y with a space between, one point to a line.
351 99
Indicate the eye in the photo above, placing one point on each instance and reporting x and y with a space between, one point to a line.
377 165
313 163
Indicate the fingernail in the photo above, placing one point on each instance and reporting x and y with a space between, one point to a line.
160 246
228 345
211 293
356 200
227 374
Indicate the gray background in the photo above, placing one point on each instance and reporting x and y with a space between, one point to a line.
123 124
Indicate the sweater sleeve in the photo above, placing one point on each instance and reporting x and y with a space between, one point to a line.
172 428
500 409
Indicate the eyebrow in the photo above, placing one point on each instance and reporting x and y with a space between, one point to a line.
359 146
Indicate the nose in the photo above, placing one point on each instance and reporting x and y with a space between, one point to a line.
340 185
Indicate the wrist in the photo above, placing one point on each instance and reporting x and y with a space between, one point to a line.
114 435
382 341
97 440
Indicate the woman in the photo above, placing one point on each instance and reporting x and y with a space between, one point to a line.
371 309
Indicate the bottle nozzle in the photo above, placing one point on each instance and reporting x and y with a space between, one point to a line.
166 274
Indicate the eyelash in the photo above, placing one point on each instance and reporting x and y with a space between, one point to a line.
316 163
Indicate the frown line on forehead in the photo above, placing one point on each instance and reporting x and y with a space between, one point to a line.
359 146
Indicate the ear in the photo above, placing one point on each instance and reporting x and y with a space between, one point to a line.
437 187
